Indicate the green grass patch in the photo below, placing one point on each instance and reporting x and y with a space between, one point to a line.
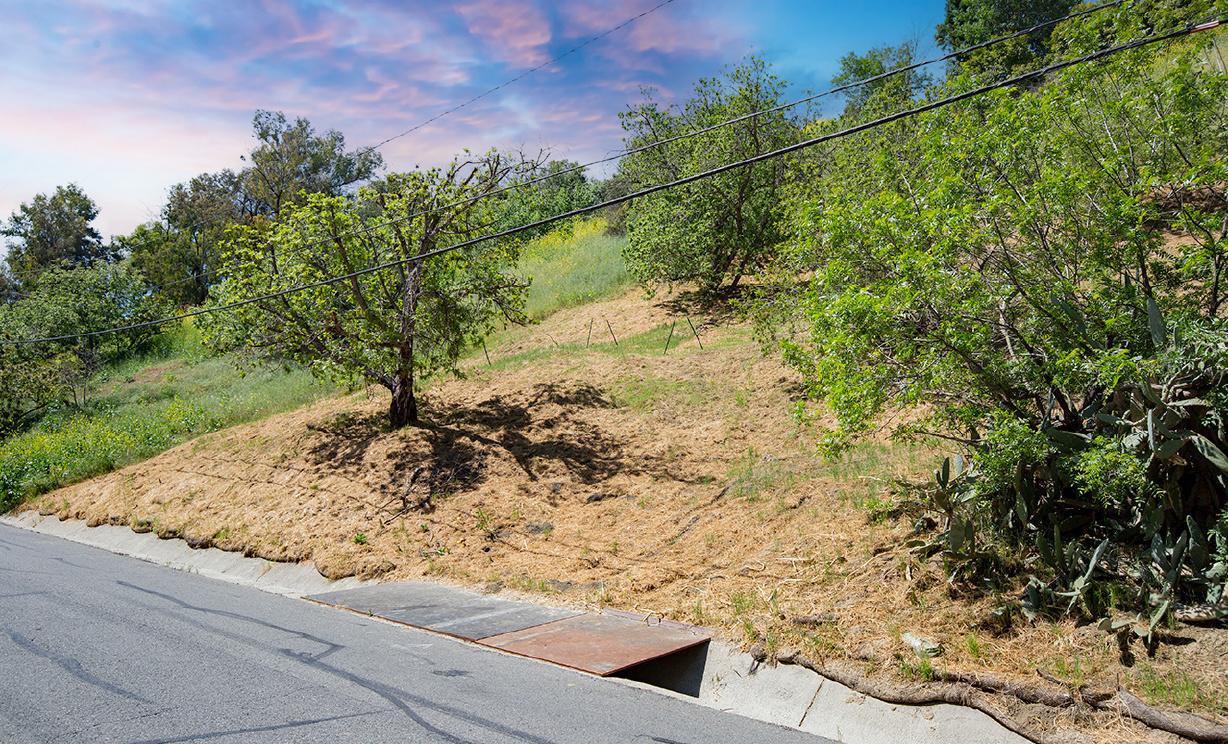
871 468
145 406
753 477
648 391
1176 689
573 265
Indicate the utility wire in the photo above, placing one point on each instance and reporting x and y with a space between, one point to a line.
943 102
704 130
523 75
454 109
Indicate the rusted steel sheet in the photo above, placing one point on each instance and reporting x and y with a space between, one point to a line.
443 609
657 620
600 644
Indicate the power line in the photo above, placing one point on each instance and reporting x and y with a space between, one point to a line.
882 121
454 109
523 75
703 130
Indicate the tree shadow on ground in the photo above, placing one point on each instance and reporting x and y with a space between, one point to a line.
706 309
346 438
539 428
562 436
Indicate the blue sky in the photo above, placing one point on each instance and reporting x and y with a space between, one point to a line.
128 97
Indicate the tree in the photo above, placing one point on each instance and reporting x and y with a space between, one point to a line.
393 326
291 159
722 228
1001 264
54 229
971 22
555 189
885 95
66 302
181 254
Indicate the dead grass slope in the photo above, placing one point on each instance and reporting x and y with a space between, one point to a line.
600 474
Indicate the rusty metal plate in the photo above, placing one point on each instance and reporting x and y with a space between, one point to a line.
443 609
600 644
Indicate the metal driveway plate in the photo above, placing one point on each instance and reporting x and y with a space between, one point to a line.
443 609
600 644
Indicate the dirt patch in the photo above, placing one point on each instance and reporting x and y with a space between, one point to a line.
670 483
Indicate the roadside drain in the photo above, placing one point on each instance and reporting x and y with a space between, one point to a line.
639 647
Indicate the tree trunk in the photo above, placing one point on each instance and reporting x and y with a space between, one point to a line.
404 407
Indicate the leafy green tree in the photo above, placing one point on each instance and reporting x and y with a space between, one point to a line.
555 189
971 22
1001 263
29 378
292 159
389 327
719 229
66 302
53 229
181 254
881 95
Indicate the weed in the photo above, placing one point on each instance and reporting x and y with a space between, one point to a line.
743 602
530 584
974 646
484 522
360 538
1177 689
920 669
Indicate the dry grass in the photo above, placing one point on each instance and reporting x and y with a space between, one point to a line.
594 474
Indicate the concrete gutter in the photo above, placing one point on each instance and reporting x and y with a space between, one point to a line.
718 675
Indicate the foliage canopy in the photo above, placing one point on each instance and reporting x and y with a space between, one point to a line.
722 228
53 229
393 326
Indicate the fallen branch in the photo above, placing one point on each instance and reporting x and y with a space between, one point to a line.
969 690
1181 724
954 693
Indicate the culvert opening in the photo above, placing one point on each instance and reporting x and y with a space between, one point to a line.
681 671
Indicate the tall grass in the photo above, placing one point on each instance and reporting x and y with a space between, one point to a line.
572 265
143 406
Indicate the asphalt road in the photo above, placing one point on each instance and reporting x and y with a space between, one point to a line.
96 647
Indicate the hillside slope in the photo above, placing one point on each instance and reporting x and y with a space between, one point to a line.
591 472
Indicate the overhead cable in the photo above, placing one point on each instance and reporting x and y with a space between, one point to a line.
898 116
719 125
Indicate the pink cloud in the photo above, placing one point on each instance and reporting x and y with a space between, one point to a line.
516 30
588 17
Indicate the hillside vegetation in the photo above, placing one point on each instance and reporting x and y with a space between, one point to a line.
935 405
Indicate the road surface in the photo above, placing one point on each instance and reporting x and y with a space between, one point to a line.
97 647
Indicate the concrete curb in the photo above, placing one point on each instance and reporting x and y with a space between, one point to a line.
729 680
288 579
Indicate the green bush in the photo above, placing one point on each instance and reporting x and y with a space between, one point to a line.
1002 262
